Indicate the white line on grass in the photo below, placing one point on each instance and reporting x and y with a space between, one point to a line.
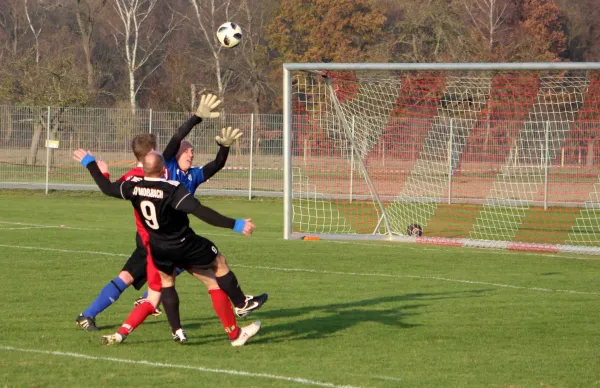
413 277
422 247
64 250
46 226
306 270
29 227
390 245
298 380
482 250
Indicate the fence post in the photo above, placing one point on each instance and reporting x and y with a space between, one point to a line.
450 141
352 162
47 150
150 122
251 156
546 163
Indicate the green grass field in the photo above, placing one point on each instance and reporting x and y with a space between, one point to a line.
339 313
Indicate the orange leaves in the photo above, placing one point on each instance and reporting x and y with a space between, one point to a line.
326 30
542 19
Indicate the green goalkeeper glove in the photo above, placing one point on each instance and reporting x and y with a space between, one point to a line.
208 102
229 136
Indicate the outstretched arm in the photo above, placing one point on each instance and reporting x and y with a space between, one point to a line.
207 104
213 167
186 202
225 141
114 189
173 146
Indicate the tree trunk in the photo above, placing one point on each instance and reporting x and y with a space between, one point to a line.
194 96
8 123
219 77
85 42
589 157
16 35
132 90
35 141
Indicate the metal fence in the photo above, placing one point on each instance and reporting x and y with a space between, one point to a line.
255 164
36 146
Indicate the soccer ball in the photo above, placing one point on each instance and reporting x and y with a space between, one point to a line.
414 230
229 34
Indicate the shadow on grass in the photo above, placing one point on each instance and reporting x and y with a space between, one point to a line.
320 321
326 320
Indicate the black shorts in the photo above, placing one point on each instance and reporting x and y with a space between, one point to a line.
194 251
136 264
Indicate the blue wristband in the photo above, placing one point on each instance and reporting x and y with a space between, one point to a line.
239 226
87 159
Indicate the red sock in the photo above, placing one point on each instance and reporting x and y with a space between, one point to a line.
222 307
136 317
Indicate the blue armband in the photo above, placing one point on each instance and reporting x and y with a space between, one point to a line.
87 159
239 226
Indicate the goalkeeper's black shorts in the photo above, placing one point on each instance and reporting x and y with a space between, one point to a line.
193 251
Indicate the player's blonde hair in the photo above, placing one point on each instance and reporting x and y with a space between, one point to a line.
142 144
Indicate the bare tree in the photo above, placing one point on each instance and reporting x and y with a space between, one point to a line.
208 15
13 23
427 30
254 67
140 40
85 11
36 34
488 18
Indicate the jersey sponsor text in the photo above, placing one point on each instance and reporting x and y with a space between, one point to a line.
148 192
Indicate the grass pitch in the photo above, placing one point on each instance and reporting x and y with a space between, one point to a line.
339 314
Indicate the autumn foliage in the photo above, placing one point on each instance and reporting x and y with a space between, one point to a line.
63 52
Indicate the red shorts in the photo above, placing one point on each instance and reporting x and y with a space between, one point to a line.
154 281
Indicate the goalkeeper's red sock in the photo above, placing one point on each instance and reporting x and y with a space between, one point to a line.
223 308
136 317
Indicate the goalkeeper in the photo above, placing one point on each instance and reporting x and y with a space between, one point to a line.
179 168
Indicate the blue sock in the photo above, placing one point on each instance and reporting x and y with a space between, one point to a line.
178 271
109 294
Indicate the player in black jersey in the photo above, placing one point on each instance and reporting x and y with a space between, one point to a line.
164 206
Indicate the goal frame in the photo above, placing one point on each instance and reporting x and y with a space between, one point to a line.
288 68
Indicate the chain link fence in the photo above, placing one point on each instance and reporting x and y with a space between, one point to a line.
37 143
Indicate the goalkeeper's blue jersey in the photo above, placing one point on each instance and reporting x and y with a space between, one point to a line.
190 179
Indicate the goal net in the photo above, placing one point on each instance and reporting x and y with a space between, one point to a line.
493 157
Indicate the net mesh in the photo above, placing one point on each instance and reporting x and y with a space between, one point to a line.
498 156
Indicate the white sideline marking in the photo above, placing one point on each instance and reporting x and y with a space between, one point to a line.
28 227
64 250
384 275
415 277
393 246
44 226
388 378
298 380
483 250
420 247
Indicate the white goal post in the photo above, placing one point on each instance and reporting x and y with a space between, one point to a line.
497 155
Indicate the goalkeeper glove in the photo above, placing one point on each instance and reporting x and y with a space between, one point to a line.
228 137
208 102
